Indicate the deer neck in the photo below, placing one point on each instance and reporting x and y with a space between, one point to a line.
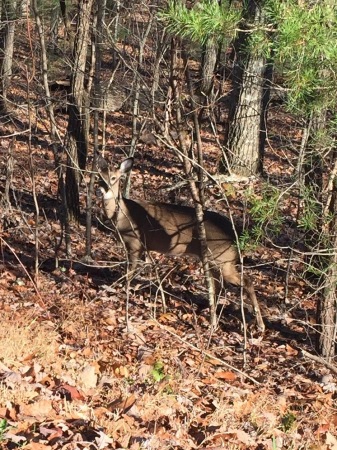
111 202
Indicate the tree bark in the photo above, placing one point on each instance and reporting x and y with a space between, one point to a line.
245 136
317 182
97 101
326 308
78 123
54 134
208 62
7 33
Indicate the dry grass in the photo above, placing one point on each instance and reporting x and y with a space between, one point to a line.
23 337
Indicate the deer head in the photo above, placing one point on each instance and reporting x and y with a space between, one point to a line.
109 183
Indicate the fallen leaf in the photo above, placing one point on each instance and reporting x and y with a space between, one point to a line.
244 437
122 371
331 441
37 446
15 438
40 409
89 377
103 440
210 380
167 317
223 375
51 433
144 371
122 404
69 392
4 413
323 428
291 351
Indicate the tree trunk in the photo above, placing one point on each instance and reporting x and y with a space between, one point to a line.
136 94
317 182
8 16
78 124
326 313
326 308
208 62
97 101
245 135
54 134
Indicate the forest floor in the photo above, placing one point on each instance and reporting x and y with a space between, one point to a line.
75 375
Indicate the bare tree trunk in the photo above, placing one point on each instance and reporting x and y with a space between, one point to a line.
162 45
208 62
54 28
78 123
326 308
317 178
326 313
97 101
63 9
54 135
9 173
245 134
199 201
244 129
117 8
7 33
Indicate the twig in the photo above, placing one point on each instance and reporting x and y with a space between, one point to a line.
25 270
207 354
318 359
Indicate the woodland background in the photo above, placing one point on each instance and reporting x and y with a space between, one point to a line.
234 99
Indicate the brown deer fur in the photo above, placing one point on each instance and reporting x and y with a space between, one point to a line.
171 229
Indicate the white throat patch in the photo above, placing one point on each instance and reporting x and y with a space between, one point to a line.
108 195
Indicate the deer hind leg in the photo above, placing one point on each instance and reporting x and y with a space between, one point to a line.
232 276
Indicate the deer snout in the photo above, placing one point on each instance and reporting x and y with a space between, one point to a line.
106 194
100 191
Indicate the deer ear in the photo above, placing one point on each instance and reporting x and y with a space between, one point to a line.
102 164
126 165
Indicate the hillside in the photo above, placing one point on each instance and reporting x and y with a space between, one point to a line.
75 375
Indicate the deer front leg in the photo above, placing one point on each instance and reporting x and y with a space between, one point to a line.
231 275
248 287
134 256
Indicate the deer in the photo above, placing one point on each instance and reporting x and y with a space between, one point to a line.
171 229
